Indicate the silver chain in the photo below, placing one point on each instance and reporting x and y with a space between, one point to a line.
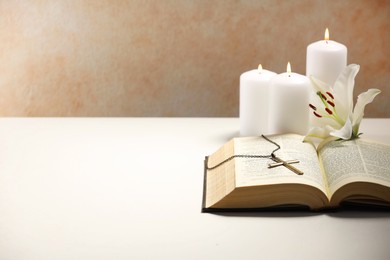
247 156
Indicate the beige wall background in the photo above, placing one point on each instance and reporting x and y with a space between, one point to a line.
172 57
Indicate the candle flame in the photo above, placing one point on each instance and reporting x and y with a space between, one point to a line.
288 67
260 68
326 34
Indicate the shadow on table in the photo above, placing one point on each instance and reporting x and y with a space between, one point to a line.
345 212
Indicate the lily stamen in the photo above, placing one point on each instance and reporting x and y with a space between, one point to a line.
316 114
329 107
330 112
330 95
330 103
322 97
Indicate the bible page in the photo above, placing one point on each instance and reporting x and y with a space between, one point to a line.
355 160
255 171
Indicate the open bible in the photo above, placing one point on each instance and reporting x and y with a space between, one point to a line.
355 171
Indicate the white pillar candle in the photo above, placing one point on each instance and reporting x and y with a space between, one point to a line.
254 101
289 103
326 59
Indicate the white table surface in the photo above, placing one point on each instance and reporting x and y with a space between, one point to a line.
131 188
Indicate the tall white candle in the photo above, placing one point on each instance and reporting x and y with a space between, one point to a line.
326 59
254 101
289 103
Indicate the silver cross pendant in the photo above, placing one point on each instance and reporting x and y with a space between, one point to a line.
287 164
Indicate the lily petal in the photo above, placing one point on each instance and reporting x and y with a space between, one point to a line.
358 112
316 132
343 90
319 85
345 132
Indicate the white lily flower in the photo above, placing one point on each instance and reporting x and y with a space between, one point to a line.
333 109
